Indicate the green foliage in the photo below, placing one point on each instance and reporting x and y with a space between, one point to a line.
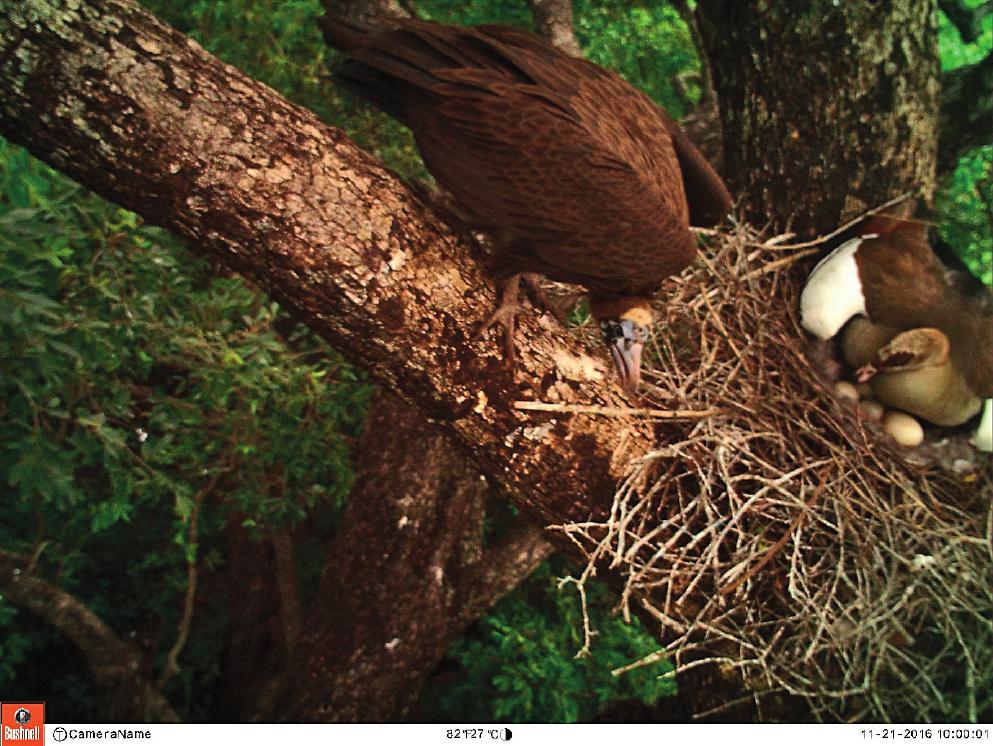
472 12
646 43
964 206
133 377
519 665
953 51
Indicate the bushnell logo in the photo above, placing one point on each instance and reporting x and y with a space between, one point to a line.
22 723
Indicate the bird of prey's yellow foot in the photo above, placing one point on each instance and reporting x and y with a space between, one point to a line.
509 307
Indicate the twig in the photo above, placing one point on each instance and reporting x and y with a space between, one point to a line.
588 631
776 241
838 231
774 549
183 629
779 263
664 414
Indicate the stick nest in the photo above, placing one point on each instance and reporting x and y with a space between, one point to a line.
785 537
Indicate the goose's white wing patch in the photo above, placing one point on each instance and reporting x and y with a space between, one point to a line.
983 437
833 293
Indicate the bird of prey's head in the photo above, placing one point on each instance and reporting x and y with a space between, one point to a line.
624 323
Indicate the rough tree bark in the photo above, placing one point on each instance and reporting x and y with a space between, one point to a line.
404 577
827 107
116 666
368 10
553 20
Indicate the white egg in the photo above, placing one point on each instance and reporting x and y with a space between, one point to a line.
904 429
846 390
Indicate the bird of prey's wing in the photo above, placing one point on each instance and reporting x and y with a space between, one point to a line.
573 171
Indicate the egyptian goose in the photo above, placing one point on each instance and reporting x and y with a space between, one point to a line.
575 174
921 336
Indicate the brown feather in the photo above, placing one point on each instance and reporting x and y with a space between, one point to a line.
578 175
906 287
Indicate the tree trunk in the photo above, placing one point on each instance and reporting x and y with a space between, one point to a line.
827 108
404 577
255 642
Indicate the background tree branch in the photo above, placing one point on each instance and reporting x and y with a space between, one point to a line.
966 20
966 112
553 20
404 576
130 696
368 10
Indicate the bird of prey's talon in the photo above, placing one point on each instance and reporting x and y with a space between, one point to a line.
538 298
505 315
510 306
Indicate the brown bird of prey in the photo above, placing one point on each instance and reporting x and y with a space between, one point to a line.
575 174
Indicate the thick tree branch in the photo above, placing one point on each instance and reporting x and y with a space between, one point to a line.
145 117
116 666
966 112
290 607
366 10
258 635
505 564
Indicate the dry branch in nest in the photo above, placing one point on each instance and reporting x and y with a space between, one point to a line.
808 550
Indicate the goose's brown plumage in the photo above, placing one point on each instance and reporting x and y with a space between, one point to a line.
907 287
575 174
922 333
